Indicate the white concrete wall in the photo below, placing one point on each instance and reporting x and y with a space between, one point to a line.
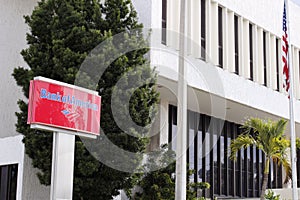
12 40
285 193
144 9
28 186
12 152
267 14
237 89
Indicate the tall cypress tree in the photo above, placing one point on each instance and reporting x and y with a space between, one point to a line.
62 33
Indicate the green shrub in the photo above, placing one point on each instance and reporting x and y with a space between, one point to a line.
271 196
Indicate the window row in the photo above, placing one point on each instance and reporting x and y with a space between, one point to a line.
209 139
229 41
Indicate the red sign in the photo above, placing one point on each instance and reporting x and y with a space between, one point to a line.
60 105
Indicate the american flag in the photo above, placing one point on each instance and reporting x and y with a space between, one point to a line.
285 47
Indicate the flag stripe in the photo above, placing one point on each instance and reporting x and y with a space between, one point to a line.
285 47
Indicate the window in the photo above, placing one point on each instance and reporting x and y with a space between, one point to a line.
298 166
265 58
8 182
251 51
231 163
299 64
277 64
200 150
207 144
192 157
164 22
203 29
207 154
236 44
214 156
275 176
172 127
220 36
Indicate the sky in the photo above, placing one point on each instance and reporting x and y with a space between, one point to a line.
297 2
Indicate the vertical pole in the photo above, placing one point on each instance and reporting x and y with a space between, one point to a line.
181 140
291 105
62 166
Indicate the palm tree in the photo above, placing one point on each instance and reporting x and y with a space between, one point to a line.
267 136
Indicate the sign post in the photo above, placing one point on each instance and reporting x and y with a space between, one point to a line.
66 110
62 166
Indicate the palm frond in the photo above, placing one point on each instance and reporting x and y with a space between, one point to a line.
241 142
298 143
268 136
288 170
278 127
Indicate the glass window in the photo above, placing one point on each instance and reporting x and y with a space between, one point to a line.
172 127
203 29
220 36
261 167
208 156
215 156
251 51
223 171
236 44
257 174
191 145
200 151
277 63
231 175
278 176
250 171
8 182
265 57
299 64
164 22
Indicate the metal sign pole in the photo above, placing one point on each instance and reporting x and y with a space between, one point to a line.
62 166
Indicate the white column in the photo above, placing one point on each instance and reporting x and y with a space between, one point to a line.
241 45
225 40
260 56
230 42
189 26
208 31
195 22
294 67
214 34
245 49
273 74
62 166
173 24
280 67
268 55
296 73
164 129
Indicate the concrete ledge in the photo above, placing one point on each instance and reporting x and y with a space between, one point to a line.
285 193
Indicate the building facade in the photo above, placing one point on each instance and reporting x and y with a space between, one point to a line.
234 71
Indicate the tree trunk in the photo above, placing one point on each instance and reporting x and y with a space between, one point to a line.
265 181
264 186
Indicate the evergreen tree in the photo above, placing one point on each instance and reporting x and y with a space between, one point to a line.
62 33
158 183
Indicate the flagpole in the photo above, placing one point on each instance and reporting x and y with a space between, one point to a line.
181 139
291 105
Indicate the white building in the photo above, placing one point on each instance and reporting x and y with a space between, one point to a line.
234 71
